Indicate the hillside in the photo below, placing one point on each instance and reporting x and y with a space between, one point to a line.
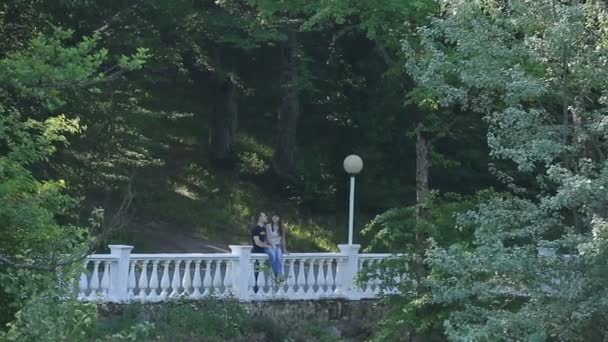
190 206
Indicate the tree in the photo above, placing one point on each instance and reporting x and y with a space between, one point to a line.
289 109
39 234
387 24
536 71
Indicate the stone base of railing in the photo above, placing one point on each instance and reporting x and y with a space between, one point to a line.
353 320
122 276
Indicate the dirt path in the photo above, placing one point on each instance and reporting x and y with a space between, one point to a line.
164 238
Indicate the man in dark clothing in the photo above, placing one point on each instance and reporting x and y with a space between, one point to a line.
259 242
258 235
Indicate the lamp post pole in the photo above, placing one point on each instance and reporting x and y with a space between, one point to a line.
352 165
351 210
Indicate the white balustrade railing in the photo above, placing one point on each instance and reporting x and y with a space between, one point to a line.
122 276
371 287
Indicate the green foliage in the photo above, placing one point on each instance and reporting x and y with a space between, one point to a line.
32 234
180 321
524 66
211 320
217 323
137 332
251 163
148 132
395 229
47 68
51 315
38 223
134 134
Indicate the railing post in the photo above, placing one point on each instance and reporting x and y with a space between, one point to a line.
119 272
348 273
241 269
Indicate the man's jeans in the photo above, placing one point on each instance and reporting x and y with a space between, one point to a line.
275 255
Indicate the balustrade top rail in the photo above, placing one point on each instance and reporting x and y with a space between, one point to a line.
176 256
121 276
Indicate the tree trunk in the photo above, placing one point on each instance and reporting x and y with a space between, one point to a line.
423 164
288 112
422 184
224 121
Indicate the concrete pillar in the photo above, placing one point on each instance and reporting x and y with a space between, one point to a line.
119 272
241 269
348 273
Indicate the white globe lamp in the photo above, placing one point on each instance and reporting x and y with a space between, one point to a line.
353 164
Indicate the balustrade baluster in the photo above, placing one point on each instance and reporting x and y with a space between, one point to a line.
94 286
217 277
252 278
363 285
207 279
321 277
143 281
310 278
196 282
275 285
228 281
131 281
377 280
278 286
83 283
329 276
105 280
300 280
186 282
291 278
360 271
396 282
339 275
176 280
370 282
262 284
153 295
164 281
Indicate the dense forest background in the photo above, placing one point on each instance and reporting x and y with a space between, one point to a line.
241 108
170 124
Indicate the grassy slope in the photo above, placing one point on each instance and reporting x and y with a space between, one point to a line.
191 197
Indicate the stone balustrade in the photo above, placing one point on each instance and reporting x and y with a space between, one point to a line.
122 276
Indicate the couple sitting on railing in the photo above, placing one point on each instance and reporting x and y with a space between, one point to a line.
269 238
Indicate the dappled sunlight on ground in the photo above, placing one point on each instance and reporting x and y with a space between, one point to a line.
159 237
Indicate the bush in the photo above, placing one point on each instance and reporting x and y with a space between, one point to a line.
182 321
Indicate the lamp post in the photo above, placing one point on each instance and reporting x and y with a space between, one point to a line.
352 165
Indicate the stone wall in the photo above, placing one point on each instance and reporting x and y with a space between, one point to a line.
339 318
304 320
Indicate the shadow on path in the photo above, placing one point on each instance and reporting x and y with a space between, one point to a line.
164 238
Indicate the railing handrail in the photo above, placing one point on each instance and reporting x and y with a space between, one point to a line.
175 256
94 257
182 256
376 255
300 255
